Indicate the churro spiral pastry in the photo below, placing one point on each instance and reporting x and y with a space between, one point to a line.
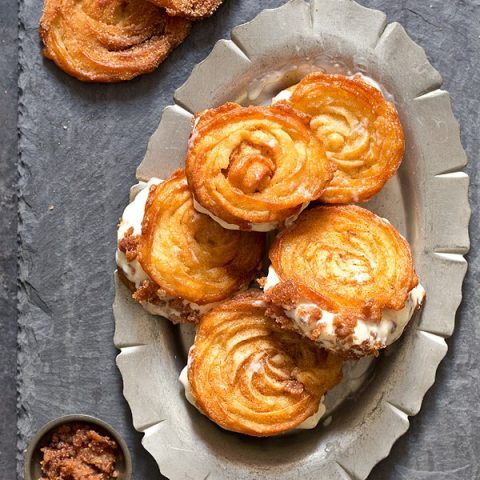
192 9
345 277
249 375
108 40
361 132
255 168
179 259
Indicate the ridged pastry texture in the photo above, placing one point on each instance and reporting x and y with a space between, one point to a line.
250 376
108 40
187 254
360 129
255 165
346 260
192 9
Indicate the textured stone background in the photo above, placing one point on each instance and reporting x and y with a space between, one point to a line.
79 147
8 236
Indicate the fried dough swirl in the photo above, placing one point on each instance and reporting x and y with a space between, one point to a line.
249 375
253 166
361 132
192 9
346 260
108 40
189 255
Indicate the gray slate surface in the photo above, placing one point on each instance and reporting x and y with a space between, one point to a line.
8 236
80 145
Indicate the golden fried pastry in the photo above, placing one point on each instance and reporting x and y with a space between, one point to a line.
192 9
255 168
180 262
344 277
108 40
251 376
361 132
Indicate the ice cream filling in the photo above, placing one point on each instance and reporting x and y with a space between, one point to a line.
372 334
255 227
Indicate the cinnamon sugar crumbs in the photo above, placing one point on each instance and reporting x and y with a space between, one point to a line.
180 312
294 387
187 314
128 245
278 314
78 452
147 292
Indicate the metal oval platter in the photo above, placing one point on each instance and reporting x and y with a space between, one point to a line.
427 201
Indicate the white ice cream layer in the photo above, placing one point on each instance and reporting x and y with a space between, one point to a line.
255 227
307 424
283 95
312 422
366 79
132 218
373 83
383 333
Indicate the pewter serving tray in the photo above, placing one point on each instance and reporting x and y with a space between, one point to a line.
427 201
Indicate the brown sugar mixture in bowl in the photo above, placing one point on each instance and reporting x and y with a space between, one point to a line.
78 452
